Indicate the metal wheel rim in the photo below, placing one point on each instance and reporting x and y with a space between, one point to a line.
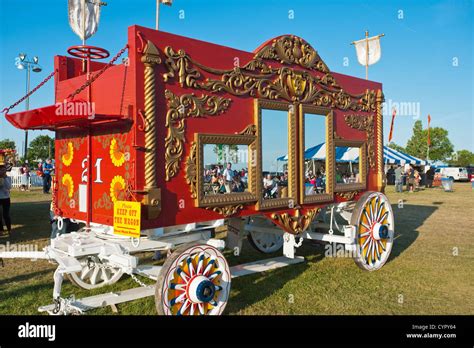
372 254
266 242
197 260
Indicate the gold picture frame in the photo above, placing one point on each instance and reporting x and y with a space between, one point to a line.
203 201
292 156
330 159
362 185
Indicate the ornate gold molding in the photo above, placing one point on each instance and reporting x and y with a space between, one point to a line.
291 49
298 223
180 108
191 170
364 123
381 180
349 195
227 210
259 80
152 200
251 129
337 136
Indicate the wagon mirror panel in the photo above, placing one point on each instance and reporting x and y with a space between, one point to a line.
347 165
350 166
314 174
274 137
226 169
315 144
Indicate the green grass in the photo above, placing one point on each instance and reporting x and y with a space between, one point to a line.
429 271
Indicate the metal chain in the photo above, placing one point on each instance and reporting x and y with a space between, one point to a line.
138 281
6 110
91 263
300 243
96 76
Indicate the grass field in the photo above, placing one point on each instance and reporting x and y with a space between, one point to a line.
430 270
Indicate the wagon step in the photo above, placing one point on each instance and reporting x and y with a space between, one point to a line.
263 265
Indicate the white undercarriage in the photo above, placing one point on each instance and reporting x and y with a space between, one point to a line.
118 253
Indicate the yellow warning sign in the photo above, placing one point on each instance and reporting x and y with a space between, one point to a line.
127 218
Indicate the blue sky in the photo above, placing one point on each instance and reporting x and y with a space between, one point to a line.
424 41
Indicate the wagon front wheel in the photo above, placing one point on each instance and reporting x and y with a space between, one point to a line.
95 274
195 280
375 226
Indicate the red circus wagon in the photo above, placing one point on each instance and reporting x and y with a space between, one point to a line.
209 145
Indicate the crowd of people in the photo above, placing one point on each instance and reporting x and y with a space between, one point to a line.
45 170
220 180
411 178
315 182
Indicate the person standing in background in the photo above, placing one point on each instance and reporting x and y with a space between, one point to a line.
430 177
48 169
399 179
25 177
5 187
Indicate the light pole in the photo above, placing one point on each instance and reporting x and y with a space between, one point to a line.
23 64
158 2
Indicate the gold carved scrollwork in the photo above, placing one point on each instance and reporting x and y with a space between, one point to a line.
251 129
227 210
349 195
191 171
364 123
293 50
180 108
257 79
298 223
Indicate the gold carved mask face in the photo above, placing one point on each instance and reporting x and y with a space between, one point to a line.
297 84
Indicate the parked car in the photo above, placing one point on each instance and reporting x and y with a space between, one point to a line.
455 173
470 173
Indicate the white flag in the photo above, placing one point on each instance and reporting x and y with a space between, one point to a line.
375 51
76 10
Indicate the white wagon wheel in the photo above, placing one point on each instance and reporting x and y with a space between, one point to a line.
195 280
94 274
263 242
375 226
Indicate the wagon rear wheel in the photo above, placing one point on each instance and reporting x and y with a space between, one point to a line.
94 274
375 226
264 242
195 280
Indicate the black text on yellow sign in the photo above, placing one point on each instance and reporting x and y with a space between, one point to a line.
127 218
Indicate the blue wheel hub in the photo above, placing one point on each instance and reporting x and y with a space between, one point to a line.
383 231
205 291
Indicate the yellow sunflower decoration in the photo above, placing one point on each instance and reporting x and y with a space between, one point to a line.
69 183
67 157
116 186
117 156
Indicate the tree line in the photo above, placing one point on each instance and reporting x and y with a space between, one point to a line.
40 148
441 148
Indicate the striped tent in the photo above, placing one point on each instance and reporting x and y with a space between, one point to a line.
391 156
347 154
